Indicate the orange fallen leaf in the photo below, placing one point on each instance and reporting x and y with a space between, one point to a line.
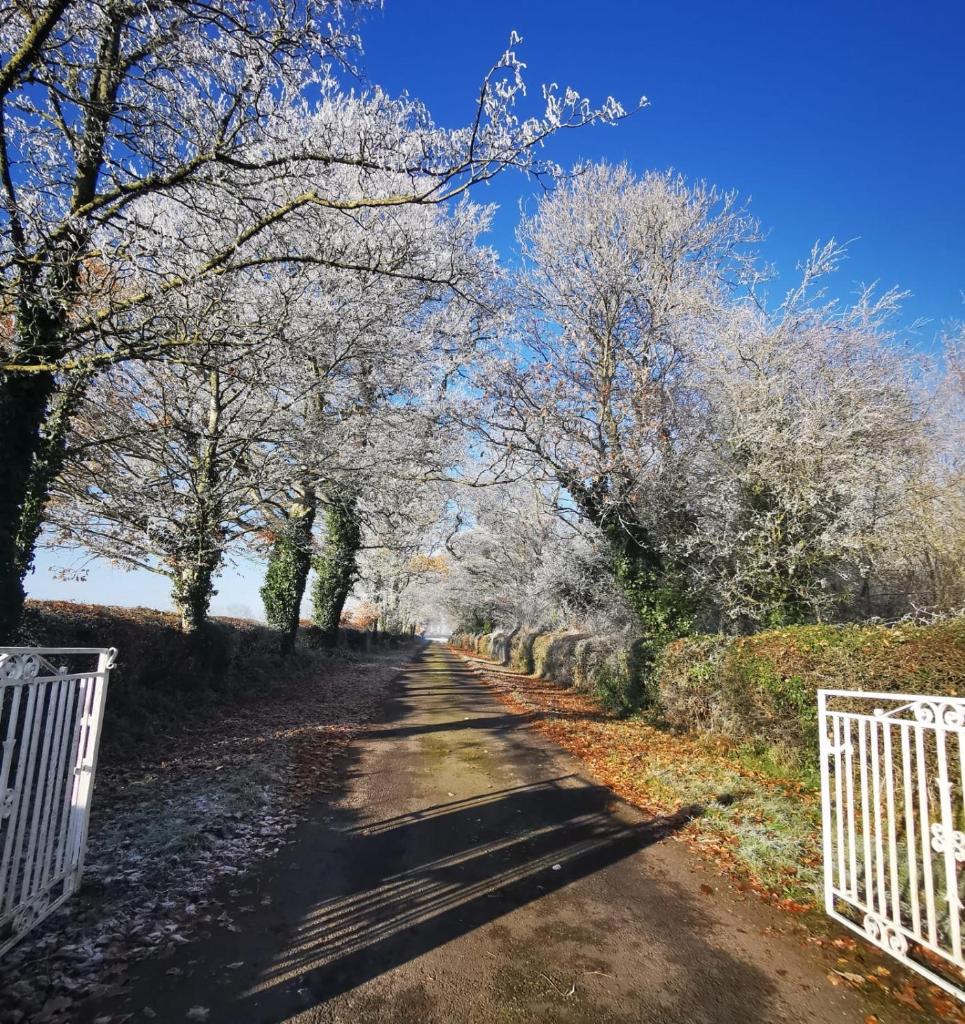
906 994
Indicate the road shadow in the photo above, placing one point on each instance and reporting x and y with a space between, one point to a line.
349 899
463 865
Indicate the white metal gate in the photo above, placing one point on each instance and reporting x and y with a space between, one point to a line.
51 706
892 789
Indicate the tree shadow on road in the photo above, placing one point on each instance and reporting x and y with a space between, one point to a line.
350 899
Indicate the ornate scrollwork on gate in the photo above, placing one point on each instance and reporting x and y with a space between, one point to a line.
942 837
19 666
930 712
884 934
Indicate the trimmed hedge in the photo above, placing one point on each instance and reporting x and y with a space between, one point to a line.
601 665
554 656
163 675
759 688
763 687
521 650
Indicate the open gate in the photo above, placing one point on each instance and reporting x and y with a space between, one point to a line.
51 707
893 805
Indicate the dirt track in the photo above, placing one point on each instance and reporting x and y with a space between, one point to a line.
469 873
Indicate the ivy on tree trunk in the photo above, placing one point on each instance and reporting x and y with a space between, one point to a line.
193 579
23 408
192 590
336 567
288 567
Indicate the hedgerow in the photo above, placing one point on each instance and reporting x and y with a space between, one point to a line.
760 688
764 687
164 676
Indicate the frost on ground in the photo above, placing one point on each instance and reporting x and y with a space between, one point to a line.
162 832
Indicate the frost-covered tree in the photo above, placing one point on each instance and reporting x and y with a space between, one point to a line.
370 361
402 557
167 467
623 282
815 428
230 107
922 565
511 560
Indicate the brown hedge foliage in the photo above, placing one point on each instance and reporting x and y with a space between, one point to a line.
163 675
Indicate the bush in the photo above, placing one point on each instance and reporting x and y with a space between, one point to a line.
499 646
764 687
609 667
619 678
554 656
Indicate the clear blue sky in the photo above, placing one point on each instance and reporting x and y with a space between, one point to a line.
843 119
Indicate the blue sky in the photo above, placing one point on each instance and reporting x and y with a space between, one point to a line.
838 119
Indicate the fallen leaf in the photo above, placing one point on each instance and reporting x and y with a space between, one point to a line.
906 994
851 978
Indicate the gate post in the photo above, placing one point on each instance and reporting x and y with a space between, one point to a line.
88 762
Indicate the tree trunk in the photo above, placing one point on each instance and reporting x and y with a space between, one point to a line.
23 408
193 580
192 590
48 463
288 567
336 567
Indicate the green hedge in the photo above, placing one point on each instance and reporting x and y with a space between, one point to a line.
759 688
605 666
763 687
554 656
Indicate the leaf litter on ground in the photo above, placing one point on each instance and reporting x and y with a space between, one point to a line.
223 796
761 829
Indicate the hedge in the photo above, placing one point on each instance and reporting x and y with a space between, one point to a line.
764 687
759 688
163 675
602 665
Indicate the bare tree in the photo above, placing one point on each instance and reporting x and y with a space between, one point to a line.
624 282
105 104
